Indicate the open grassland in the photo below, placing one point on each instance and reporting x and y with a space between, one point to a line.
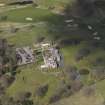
42 2
33 78
81 99
87 62
28 37
21 15
42 20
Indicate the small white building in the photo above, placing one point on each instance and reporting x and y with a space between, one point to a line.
29 19
97 38
90 27
2 4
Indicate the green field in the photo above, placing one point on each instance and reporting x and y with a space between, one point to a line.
42 2
44 21
20 15
33 78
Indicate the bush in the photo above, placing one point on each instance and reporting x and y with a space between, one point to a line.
40 39
42 90
2 90
71 73
35 4
76 85
63 90
51 7
27 94
27 102
98 73
6 81
67 42
8 59
89 91
4 18
22 96
54 98
94 43
5 100
84 71
99 61
13 29
82 53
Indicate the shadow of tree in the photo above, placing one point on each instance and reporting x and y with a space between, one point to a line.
75 23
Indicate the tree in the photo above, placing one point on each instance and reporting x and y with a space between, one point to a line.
71 73
27 102
89 90
98 73
22 96
63 90
84 71
76 86
81 8
82 53
5 81
8 59
4 18
42 90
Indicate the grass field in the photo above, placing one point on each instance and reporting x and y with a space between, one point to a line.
26 37
33 78
81 99
42 2
19 15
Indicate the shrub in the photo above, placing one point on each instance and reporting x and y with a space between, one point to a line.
51 7
27 94
76 85
71 73
2 90
66 42
27 102
84 71
89 91
94 43
3 18
99 61
54 98
40 39
6 81
63 90
22 96
35 4
82 53
42 90
98 73
13 29
8 59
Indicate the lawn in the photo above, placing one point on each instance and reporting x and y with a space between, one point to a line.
33 78
48 3
42 2
87 62
20 15
80 99
27 37
101 87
